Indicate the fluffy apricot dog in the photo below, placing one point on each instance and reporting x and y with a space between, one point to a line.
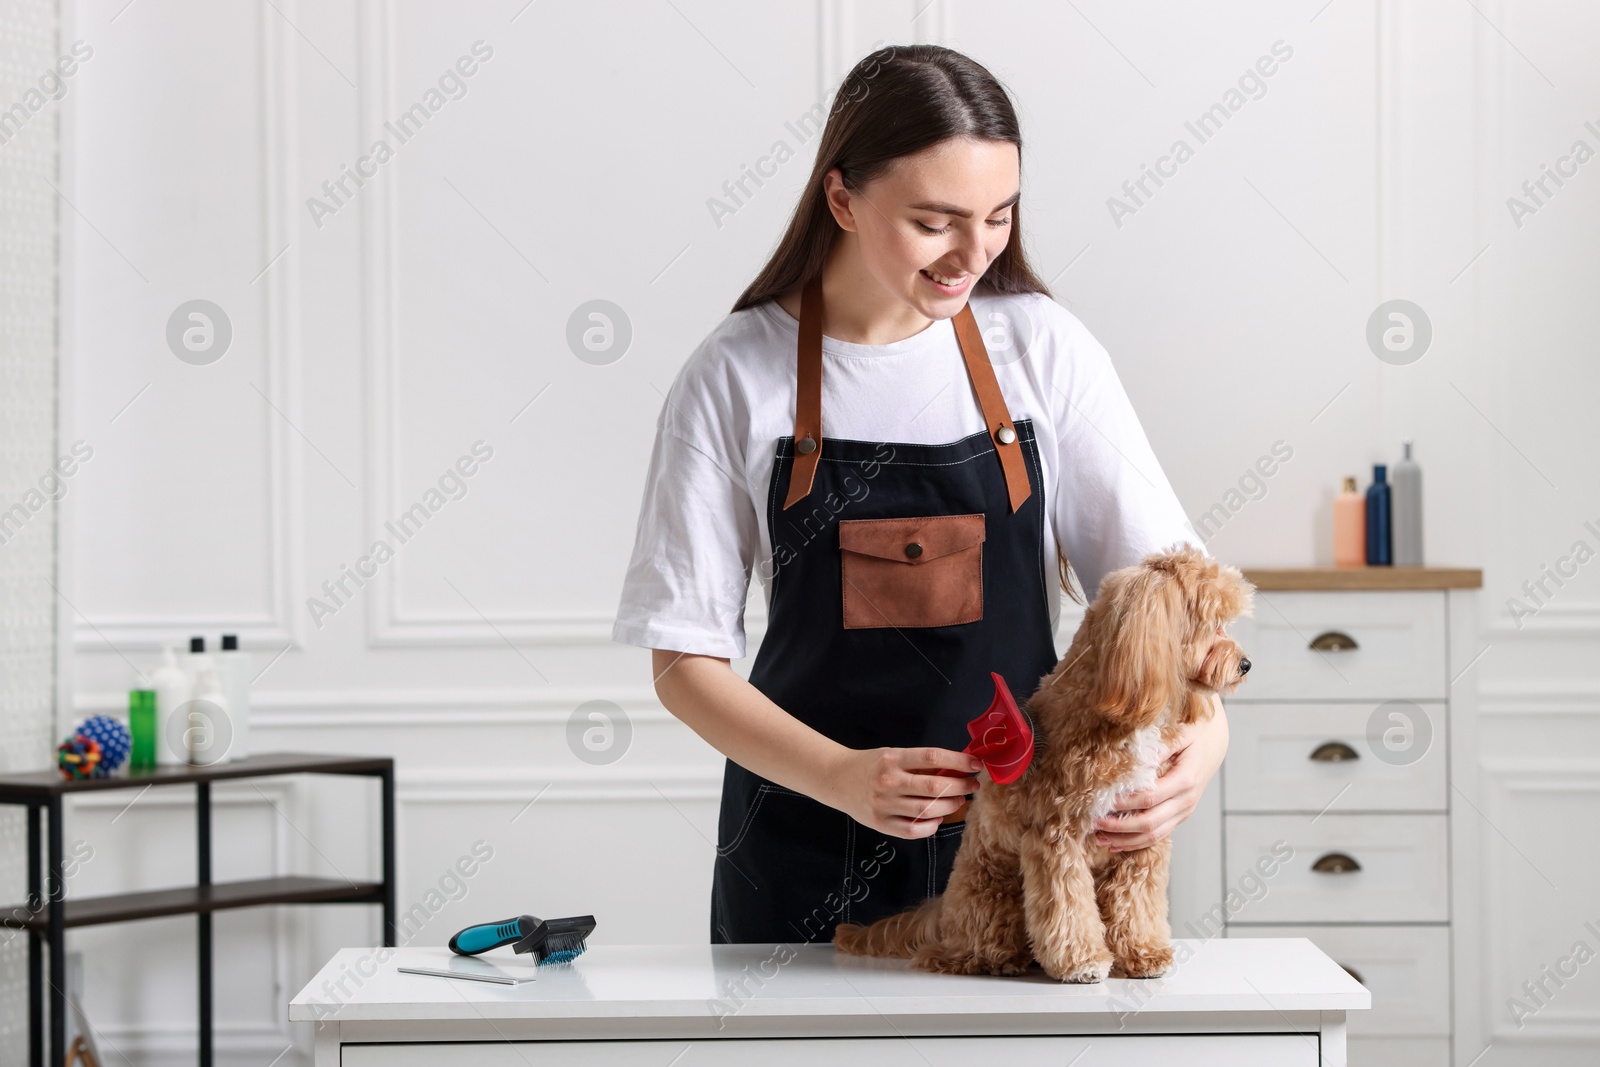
1030 882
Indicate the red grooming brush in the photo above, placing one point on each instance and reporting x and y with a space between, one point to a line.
1001 738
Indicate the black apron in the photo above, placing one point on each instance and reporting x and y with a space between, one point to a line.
903 575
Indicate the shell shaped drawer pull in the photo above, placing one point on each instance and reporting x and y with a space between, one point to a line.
1333 641
1353 973
1335 863
1334 752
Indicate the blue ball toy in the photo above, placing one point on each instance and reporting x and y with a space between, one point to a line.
113 738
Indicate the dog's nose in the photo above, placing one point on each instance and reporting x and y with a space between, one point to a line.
1244 666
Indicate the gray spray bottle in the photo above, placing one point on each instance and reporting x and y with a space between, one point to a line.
1406 510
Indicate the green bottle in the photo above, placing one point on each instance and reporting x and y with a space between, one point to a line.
142 725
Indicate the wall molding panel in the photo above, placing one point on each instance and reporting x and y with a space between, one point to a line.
331 708
1539 696
282 349
1569 782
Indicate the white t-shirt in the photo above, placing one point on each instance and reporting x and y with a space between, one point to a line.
702 526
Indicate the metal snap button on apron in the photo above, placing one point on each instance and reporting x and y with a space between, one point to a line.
1006 435
913 550
806 445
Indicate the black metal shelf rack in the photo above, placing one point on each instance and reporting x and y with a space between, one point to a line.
47 917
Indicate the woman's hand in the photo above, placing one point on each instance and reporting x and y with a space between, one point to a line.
1146 817
901 791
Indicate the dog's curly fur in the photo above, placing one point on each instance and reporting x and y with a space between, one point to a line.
1029 881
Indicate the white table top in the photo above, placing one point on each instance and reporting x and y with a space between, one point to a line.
1250 975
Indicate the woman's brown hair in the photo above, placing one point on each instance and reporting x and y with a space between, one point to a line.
896 102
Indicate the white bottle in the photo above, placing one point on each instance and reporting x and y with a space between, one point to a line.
207 731
233 670
172 692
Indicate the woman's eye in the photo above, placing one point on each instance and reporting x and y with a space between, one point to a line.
946 228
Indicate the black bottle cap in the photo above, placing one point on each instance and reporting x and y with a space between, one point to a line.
230 642
197 644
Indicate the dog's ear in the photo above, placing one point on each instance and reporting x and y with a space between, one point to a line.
1140 639
1225 594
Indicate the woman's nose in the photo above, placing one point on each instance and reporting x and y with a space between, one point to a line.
972 255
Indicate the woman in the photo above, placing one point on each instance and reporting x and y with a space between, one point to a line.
901 433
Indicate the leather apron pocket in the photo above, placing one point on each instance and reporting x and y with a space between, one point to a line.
915 571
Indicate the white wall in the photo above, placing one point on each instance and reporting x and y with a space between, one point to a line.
370 351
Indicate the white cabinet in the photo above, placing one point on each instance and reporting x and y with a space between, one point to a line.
1256 1002
1343 744
1398 964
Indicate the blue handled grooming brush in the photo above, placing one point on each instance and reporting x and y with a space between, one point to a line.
485 936
550 940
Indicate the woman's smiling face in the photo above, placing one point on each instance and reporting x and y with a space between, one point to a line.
943 213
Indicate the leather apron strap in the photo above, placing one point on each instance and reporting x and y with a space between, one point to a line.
808 404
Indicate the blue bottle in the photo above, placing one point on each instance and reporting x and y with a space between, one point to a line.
1379 534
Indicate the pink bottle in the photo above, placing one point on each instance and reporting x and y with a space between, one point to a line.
1349 527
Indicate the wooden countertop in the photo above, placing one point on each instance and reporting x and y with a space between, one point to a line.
1313 578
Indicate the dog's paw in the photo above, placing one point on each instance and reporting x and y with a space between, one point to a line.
938 960
1146 962
1012 965
1083 972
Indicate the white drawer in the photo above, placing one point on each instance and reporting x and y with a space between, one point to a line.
1406 968
1153 1050
1300 757
1402 873
1399 651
